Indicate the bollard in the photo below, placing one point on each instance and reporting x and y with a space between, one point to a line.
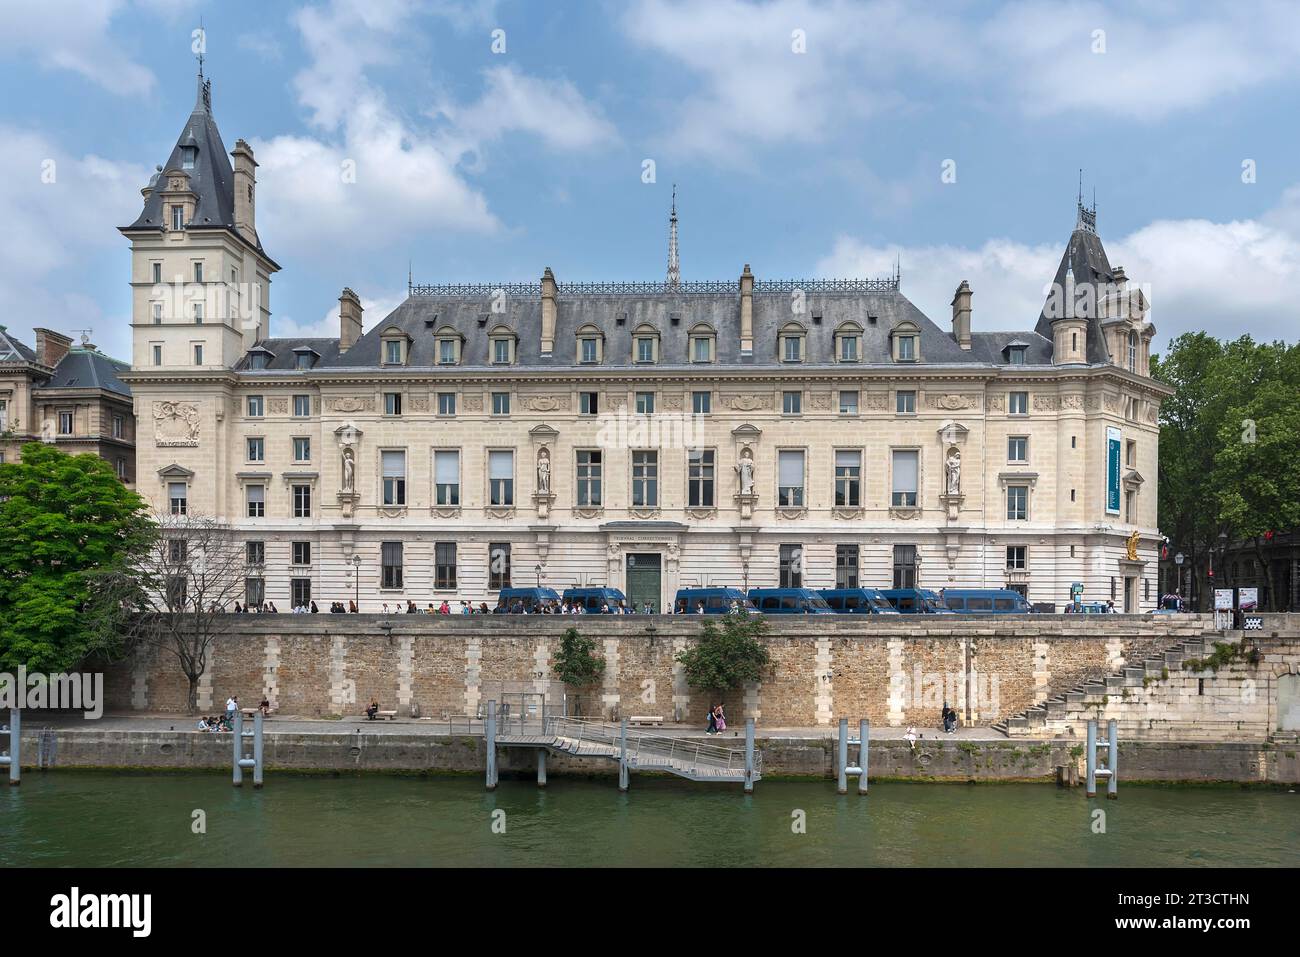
864 729
749 755
622 756
842 787
541 767
490 730
237 749
1090 788
257 749
1112 762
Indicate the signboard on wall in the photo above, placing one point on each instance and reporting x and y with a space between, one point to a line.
1248 599
1112 469
1223 599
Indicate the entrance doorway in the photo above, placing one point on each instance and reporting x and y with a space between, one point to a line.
1130 596
644 579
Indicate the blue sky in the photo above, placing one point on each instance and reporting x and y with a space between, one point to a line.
806 138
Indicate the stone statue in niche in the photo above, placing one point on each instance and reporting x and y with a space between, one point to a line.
953 465
544 472
745 469
349 470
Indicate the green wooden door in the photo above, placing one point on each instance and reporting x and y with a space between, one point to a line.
643 580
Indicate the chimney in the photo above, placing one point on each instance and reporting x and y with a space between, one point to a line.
51 347
349 319
245 185
549 290
746 312
961 315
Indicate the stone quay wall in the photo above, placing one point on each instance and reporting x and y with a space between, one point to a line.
893 671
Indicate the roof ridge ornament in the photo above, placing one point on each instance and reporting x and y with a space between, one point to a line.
674 265
1086 219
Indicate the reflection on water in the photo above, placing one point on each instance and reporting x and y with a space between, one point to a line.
106 819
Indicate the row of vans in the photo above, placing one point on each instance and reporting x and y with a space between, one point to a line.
787 601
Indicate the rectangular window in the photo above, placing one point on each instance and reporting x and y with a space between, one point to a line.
645 403
256 450
905 402
301 553
256 408
446 403
393 352
791 566
791 403
498 565
176 551
65 423
302 501
848 478
390 560
789 491
301 406
394 468
178 217
447 352
501 477
178 494
904 566
157 313
848 403
848 348
589 352
157 272
198 272
254 592
157 355
793 349
588 404
300 592
1131 453
446 477
906 467
255 553
256 501
1018 403
1017 503
444 565
1018 448
501 351
198 313
121 467
589 478
198 354
177 593
645 349
701 351
846 566
907 348
500 403
392 403
645 479
700 478
1017 558
701 403
119 426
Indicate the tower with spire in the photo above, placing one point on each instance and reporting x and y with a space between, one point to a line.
674 265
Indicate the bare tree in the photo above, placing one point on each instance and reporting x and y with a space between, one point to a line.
197 569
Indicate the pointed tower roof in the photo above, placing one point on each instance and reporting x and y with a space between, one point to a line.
1085 258
674 266
211 176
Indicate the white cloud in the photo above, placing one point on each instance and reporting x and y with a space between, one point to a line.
1228 279
376 307
50 227
74 36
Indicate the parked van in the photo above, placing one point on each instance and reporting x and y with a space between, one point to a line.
789 601
986 601
594 599
857 601
716 601
531 599
916 601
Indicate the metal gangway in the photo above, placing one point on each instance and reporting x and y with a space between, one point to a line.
633 750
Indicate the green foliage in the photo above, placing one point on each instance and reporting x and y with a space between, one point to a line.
576 663
67 525
729 656
1225 653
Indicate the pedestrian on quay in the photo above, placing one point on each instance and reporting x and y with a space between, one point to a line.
231 704
722 719
713 720
911 737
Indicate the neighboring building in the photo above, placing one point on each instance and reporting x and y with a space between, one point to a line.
640 435
69 396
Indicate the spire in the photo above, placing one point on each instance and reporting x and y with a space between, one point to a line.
1085 218
674 266
203 102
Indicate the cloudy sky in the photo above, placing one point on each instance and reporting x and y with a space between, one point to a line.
806 138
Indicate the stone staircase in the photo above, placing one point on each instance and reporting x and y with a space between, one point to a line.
1062 713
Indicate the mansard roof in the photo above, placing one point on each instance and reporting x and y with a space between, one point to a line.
89 369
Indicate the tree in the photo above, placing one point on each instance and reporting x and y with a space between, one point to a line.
576 663
68 529
185 586
729 656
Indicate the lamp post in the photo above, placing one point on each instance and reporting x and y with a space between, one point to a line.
538 570
356 576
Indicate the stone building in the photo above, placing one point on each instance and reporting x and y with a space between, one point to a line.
70 396
641 435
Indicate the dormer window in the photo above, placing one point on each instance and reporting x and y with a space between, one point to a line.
703 341
1016 355
848 342
906 338
188 155
304 358
792 342
907 348
448 341
394 346
590 345
645 345
502 346
178 218
259 359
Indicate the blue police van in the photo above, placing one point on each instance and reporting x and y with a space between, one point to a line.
986 601
789 601
916 601
710 601
857 601
594 600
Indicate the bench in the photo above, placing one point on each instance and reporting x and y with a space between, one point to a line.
641 719
251 713
386 715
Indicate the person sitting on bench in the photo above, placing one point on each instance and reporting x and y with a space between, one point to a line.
373 709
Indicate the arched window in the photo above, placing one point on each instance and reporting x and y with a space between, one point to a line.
791 344
591 345
848 342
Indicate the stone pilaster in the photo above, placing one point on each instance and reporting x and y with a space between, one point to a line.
681 690
897 713
473 674
405 670
823 682
343 690
609 697
271 671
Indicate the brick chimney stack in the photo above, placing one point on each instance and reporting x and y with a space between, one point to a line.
51 346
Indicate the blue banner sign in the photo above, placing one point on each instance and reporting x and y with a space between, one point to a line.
1112 469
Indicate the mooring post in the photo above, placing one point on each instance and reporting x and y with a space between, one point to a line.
843 752
749 755
257 749
541 767
238 749
622 755
864 730
15 756
1112 761
490 730
1090 787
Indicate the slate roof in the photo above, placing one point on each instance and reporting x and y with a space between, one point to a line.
86 369
1085 254
12 350
212 178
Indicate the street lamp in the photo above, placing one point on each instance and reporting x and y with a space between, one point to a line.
356 575
538 570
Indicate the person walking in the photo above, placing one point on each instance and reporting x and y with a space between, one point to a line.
722 719
713 721
231 704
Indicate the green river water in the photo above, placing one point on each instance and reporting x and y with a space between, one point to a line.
103 819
